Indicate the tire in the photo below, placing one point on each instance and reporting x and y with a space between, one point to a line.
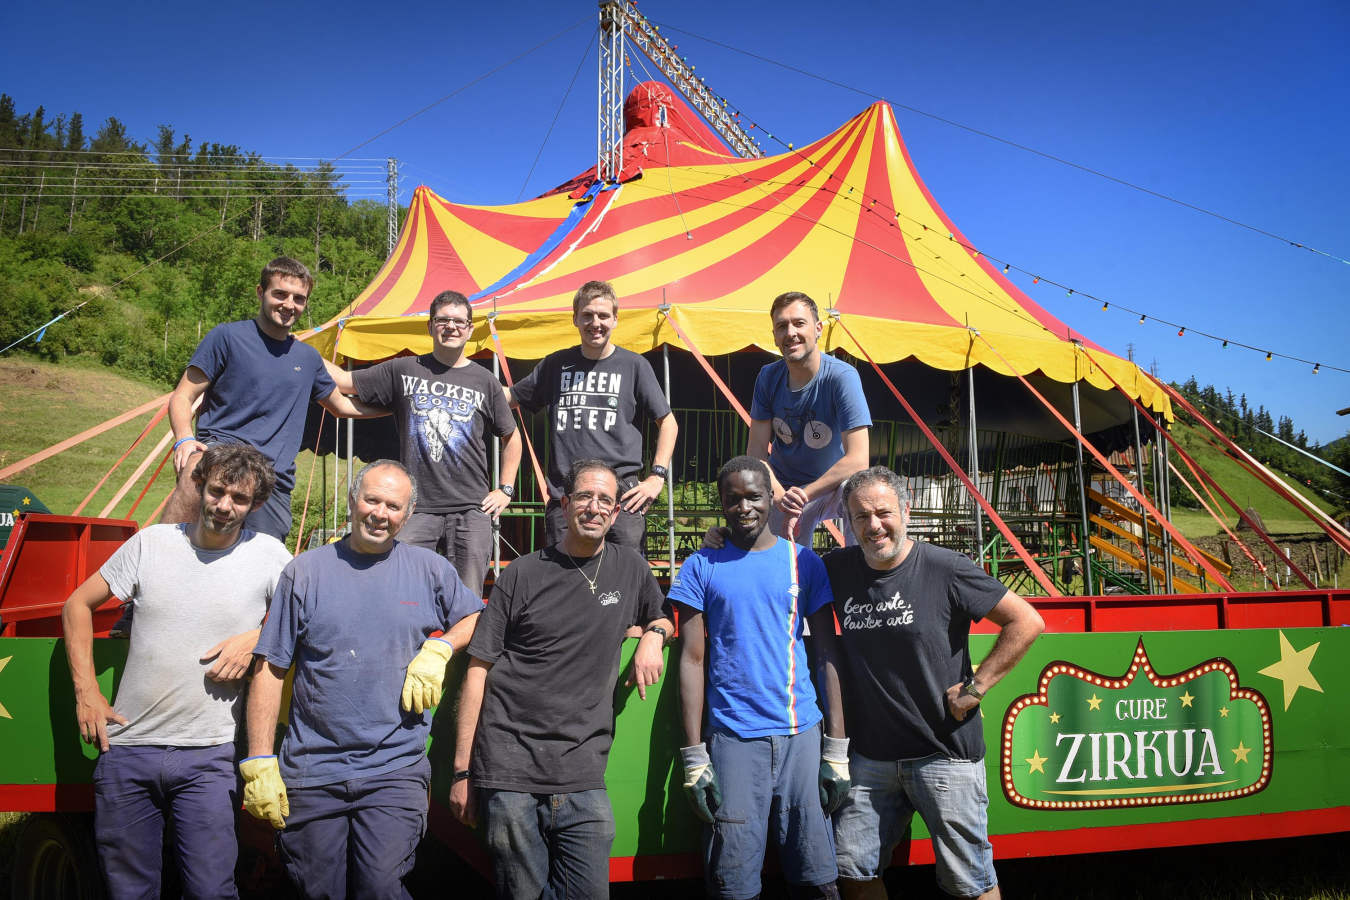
56 860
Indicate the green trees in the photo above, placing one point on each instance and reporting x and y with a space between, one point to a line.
160 242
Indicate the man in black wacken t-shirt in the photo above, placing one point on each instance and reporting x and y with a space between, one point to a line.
909 695
446 405
536 711
598 395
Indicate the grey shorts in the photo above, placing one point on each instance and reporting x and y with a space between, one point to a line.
464 538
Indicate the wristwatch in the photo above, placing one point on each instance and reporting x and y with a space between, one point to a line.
460 776
508 489
665 635
969 688
660 472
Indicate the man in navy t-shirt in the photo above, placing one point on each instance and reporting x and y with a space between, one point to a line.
349 789
255 382
761 764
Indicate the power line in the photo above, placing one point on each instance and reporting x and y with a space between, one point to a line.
1011 143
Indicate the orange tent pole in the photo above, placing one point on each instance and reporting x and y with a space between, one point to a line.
140 470
1228 531
1032 566
121 459
731 398
1196 556
83 436
541 483
145 490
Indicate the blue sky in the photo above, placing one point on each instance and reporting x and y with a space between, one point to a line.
1236 108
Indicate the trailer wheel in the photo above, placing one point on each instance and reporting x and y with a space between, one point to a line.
55 859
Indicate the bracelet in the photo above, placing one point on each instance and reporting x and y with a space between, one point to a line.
190 437
461 775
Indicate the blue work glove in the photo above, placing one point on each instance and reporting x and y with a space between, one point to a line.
700 782
834 777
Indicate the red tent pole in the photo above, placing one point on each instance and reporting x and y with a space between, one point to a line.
1196 556
1206 477
1224 525
1032 566
154 420
83 436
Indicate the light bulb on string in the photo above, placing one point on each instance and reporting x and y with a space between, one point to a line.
1316 366
1105 306
1225 346
1141 319
1006 267
1181 332
1269 355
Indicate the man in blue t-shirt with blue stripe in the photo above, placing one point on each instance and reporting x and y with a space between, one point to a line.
762 769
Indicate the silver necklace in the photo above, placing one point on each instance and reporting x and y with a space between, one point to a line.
590 582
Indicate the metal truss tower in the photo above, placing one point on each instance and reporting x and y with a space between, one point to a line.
392 202
609 143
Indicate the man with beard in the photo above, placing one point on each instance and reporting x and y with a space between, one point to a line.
910 692
598 396
536 712
349 791
168 742
758 766
446 406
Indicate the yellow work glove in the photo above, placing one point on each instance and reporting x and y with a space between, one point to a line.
422 685
264 791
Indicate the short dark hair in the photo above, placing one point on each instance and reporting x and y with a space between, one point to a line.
743 463
791 297
450 298
580 467
284 265
237 464
589 291
360 478
877 475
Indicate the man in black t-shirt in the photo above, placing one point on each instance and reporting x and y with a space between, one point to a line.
909 695
446 406
598 396
536 711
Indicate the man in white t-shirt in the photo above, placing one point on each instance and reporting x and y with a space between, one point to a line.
167 743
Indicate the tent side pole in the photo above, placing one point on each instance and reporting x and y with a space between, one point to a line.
670 471
1139 482
496 480
1083 543
975 466
1164 507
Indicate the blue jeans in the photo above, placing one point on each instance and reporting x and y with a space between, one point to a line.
770 790
549 845
356 838
950 796
135 787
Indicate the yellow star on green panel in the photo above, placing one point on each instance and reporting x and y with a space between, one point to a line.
1094 702
4 713
1187 699
27 500
1293 670
1037 762
1240 753
1223 712
1054 718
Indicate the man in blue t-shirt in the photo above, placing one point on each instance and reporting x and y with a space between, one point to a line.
255 382
762 764
349 790
810 410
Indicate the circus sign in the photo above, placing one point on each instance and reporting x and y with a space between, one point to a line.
1091 741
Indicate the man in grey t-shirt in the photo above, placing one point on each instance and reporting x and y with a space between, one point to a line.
200 591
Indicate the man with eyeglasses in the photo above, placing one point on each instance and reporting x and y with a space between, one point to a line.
536 711
445 405
598 397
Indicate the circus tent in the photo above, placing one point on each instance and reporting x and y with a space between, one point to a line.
692 233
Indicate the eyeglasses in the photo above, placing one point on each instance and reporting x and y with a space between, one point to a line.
586 498
453 324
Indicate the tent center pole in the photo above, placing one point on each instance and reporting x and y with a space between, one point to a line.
1143 513
670 473
496 480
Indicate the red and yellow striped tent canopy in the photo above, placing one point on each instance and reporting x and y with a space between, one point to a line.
715 238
